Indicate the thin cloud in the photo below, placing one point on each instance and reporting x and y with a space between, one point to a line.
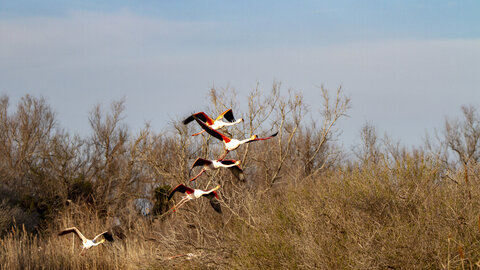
92 32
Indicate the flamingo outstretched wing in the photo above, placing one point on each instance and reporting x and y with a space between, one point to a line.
214 202
238 173
228 161
212 131
106 235
73 230
198 162
200 115
228 115
180 188
201 162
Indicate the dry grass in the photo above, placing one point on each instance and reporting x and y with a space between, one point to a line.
364 222
349 219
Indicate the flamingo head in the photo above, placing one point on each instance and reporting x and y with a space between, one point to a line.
238 162
253 137
216 188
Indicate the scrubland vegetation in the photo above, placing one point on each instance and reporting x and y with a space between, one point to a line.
306 202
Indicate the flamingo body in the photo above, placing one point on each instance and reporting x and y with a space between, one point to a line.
87 243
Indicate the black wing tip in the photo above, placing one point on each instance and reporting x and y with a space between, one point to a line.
227 161
199 162
274 134
196 117
108 236
229 116
188 120
202 116
216 205
199 115
180 187
171 195
172 192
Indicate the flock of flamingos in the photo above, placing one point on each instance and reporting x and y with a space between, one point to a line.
211 127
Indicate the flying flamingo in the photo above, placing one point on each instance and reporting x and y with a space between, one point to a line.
195 194
230 144
216 164
214 124
87 243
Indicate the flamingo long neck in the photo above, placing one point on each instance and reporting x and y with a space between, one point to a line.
198 192
96 244
220 124
233 123
213 189
234 144
246 140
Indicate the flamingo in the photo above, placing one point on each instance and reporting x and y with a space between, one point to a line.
214 124
87 243
195 194
216 164
230 144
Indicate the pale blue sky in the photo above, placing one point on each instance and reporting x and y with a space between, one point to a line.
405 64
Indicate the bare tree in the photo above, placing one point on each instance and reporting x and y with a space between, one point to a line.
106 149
463 138
321 154
368 152
25 140
6 139
37 158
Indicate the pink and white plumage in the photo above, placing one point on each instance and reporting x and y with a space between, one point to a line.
192 194
230 144
87 243
214 124
209 164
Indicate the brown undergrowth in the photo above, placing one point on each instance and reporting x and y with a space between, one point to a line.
349 219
